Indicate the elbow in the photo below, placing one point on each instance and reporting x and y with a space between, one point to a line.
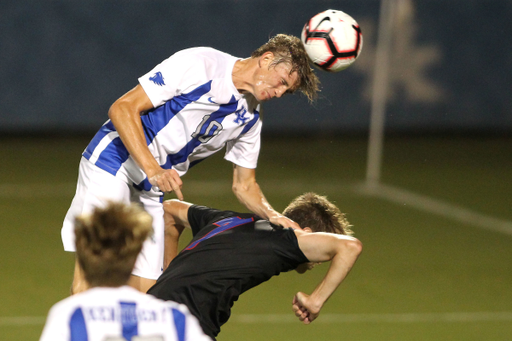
121 108
114 111
172 227
170 206
355 246
111 112
236 188
238 191
244 183
169 222
240 188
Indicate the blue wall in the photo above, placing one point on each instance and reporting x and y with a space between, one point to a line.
62 62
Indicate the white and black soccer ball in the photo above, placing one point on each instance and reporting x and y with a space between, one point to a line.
333 40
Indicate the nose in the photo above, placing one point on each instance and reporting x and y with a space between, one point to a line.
280 91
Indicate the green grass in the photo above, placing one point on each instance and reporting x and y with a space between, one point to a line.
413 262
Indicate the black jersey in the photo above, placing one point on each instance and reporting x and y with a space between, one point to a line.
229 254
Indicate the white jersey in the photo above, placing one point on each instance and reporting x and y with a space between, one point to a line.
198 111
120 314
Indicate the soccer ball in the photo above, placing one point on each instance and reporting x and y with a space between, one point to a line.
333 40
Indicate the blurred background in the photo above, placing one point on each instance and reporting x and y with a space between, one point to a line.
435 218
64 62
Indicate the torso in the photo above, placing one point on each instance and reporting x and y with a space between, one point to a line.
198 112
227 257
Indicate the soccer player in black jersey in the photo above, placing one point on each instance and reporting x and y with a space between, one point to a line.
232 252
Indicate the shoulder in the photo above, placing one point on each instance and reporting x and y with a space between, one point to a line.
285 245
63 309
203 216
211 213
283 236
205 54
200 64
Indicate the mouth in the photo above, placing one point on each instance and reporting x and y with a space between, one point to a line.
266 95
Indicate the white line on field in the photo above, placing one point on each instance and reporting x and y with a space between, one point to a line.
380 318
37 190
22 320
218 187
439 207
205 188
326 318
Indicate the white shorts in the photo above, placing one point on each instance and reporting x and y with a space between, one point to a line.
94 189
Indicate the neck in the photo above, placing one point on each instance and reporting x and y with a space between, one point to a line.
241 74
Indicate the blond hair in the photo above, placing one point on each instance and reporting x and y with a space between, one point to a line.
108 242
316 212
289 49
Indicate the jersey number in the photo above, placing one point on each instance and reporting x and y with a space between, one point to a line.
205 131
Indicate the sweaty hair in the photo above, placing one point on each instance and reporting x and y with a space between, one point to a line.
108 242
289 49
316 212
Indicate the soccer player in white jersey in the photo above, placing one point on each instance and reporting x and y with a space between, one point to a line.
107 244
188 107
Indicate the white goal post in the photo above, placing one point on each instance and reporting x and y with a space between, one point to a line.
379 95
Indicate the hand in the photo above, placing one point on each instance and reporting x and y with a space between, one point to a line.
304 308
283 221
167 180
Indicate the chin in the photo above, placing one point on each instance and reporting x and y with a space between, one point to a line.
264 97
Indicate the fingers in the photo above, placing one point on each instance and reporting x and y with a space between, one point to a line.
176 187
302 307
303 315
300 310
286 222
168 180
293 225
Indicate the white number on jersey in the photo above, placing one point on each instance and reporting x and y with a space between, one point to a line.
208 133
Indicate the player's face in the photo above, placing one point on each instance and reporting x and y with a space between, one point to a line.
272 81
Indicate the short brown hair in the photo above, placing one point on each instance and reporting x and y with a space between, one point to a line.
289 49
319 214
108 242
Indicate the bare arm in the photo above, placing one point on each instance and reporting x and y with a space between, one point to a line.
125 115
342 251
249 193
175 221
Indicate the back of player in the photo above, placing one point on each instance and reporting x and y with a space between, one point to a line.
120 314
230 253
108 242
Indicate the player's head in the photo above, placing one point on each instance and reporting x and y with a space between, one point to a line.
108 242
289 49
319 214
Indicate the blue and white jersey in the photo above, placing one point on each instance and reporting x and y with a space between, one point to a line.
120 314
198 111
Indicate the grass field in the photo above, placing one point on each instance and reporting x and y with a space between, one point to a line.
422 276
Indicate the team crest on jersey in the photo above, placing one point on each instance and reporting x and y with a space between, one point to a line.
240 116
158 79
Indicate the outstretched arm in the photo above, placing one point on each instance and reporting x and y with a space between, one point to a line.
342 251
125 115
175 221
249 193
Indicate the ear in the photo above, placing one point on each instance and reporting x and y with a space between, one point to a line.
307 229
266 59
